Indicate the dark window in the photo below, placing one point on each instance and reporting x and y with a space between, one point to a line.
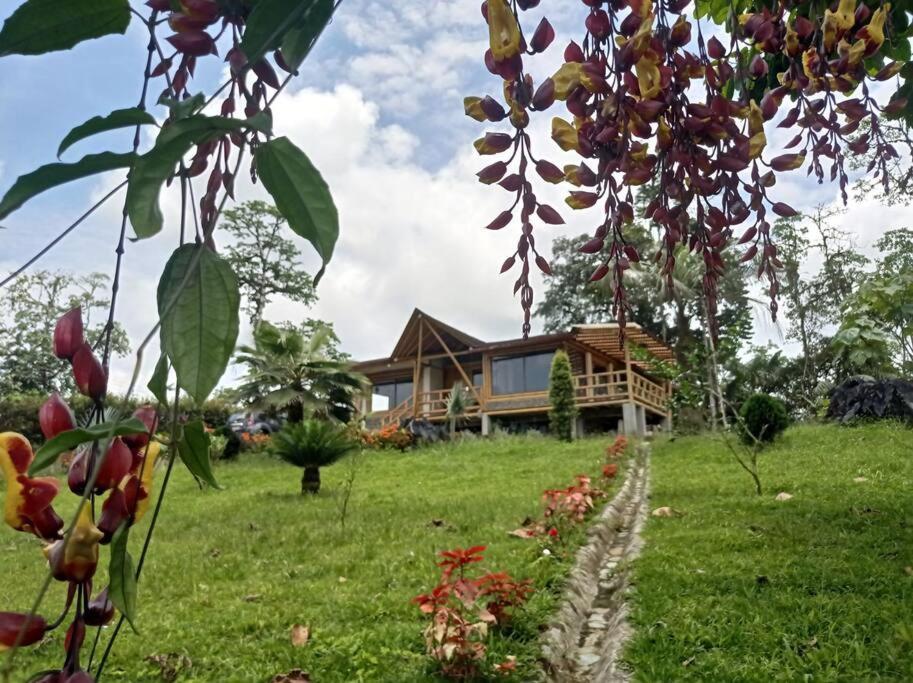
394 393
477 378
518 374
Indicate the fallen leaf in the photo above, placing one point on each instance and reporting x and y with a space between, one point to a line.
908 570
300 635
688 662
293 676
666 511
342 579
253 597
783 496
522 532
508 666
860 480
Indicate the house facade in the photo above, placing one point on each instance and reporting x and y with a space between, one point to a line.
506 382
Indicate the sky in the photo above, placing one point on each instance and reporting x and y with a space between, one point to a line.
378 109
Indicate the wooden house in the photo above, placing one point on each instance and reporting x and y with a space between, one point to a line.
507 381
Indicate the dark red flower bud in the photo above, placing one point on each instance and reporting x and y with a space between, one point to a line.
573 53
543 36
12 623
159 5
748 235
599 273
804 26
100 611
266 73
501 221
55 417
549 215
715 48
493 143
193 43
147 415
89 374
598 24
785 210
512 183
508 264
549 172
593 246
749 254
68 334
758 67
492 109
632 253
78 474
527 4
114 512
543 265
862 14
493 173
114 467
544 96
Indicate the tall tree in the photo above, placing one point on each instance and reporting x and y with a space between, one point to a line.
31 306
265 262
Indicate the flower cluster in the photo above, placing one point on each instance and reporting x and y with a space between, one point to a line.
392 437
122 469
462 609
572 503
652 102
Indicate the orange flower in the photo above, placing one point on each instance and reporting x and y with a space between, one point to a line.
28 500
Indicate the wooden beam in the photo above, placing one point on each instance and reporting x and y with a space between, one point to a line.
417 372
457 364
628 375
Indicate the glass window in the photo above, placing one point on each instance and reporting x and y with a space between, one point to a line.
518 374
477 378
388 395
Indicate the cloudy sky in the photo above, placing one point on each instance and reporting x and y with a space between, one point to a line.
378 108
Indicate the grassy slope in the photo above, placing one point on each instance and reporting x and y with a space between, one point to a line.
837 603
230 572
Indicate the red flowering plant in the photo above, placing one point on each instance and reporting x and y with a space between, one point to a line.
198 144
618 448
571 504
463 608
652 101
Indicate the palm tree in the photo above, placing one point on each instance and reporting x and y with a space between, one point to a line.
312 444
287 370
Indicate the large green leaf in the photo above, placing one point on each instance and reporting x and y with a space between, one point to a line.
272 20
122 576
194 451
52 175
67 441
40 26
119 118
300 193
298 42
198 305
153 168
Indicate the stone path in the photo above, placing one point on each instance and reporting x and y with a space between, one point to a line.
586 637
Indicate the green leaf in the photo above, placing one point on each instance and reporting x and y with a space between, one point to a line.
200 328
52 175
122 576
298 42
300 193
153 168
40 26
158 383
181 109
67 441
119 118
194 451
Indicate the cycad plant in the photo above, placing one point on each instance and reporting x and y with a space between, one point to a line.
312 444
457 404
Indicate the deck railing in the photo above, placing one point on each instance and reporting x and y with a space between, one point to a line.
598 388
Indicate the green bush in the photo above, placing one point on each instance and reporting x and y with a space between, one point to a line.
763 418
561 397
312 444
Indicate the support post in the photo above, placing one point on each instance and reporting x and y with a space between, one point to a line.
641 420
458 366
588 360
486 424
629 418
417 372
579 430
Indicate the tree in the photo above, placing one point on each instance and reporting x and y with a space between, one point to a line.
896 250
286 370
312 444
563 410
265 262
32 305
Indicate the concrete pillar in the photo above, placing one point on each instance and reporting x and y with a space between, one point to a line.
486 424
629 418
579 431
641 420
667 423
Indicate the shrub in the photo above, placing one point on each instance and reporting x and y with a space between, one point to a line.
312 444
561 397
391 436
462 608
572 503
864 397
617 448
763 418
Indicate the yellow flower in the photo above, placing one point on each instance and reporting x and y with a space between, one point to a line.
503 31
472 106
792 41
564 134
648 78
76 558
873 34
846 14
146 480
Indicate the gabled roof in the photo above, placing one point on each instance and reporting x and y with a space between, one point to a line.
456 340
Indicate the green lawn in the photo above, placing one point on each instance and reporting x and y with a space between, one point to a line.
742 588
231 572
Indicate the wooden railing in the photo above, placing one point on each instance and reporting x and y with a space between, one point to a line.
601 387
430 404
648 392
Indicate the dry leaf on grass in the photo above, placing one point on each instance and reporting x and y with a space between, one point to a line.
300 635
666 511
860 480
783 495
